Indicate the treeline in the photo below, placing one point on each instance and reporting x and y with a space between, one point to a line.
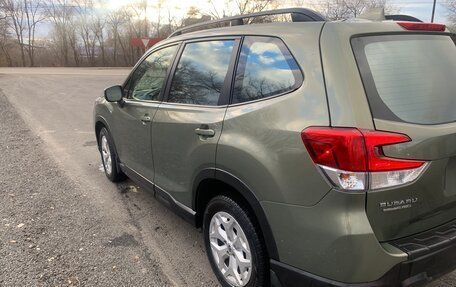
80 32
90 33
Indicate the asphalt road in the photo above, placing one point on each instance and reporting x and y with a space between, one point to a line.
79 228
62 223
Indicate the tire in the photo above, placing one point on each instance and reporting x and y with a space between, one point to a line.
109 157
235 248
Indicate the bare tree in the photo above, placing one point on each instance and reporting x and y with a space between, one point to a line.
98 28
15 11
34 15
250 6
344 9
451 6
238 7
139 25
84 25
158 8
335 10
5 40
61 13
116 21
23 17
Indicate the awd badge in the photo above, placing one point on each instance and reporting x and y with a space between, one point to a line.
398 204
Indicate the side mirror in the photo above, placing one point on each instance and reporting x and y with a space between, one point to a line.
113 94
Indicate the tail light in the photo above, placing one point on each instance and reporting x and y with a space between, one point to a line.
418 26
354 160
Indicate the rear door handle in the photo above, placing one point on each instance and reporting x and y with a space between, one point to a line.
205 131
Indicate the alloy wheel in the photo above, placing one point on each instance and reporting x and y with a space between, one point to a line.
106 155
230 249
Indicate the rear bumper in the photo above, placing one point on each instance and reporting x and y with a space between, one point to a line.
421 267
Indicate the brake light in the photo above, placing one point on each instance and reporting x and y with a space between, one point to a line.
418 26
341 148
349 157
377 161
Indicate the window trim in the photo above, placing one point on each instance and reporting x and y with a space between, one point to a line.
141 60
226 89
378 108
296 87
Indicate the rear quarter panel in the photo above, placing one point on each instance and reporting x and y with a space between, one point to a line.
347 100
261 141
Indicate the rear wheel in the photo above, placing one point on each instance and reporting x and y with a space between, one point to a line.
109 157
234 248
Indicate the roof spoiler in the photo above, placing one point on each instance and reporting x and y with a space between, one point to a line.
378 14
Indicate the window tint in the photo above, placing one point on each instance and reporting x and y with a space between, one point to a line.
266 68
201 73
409 77
147 80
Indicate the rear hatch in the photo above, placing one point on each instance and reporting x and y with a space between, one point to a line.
410 82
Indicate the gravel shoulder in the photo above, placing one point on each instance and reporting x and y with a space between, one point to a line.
56 105
50 233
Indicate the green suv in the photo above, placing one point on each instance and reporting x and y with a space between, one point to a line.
311 153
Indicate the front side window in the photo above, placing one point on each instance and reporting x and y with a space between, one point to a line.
201 73
266 68
147 80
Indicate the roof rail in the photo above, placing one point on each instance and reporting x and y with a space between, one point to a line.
297 15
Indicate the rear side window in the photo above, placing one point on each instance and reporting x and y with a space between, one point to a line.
266 68
409 78
201 73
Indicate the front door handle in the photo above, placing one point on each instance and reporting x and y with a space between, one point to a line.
145 119
205 131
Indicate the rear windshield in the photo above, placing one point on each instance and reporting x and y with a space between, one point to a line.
409 78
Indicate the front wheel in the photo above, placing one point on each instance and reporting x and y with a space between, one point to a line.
233 245
109 157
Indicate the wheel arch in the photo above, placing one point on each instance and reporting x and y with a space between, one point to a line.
100 123
228 184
